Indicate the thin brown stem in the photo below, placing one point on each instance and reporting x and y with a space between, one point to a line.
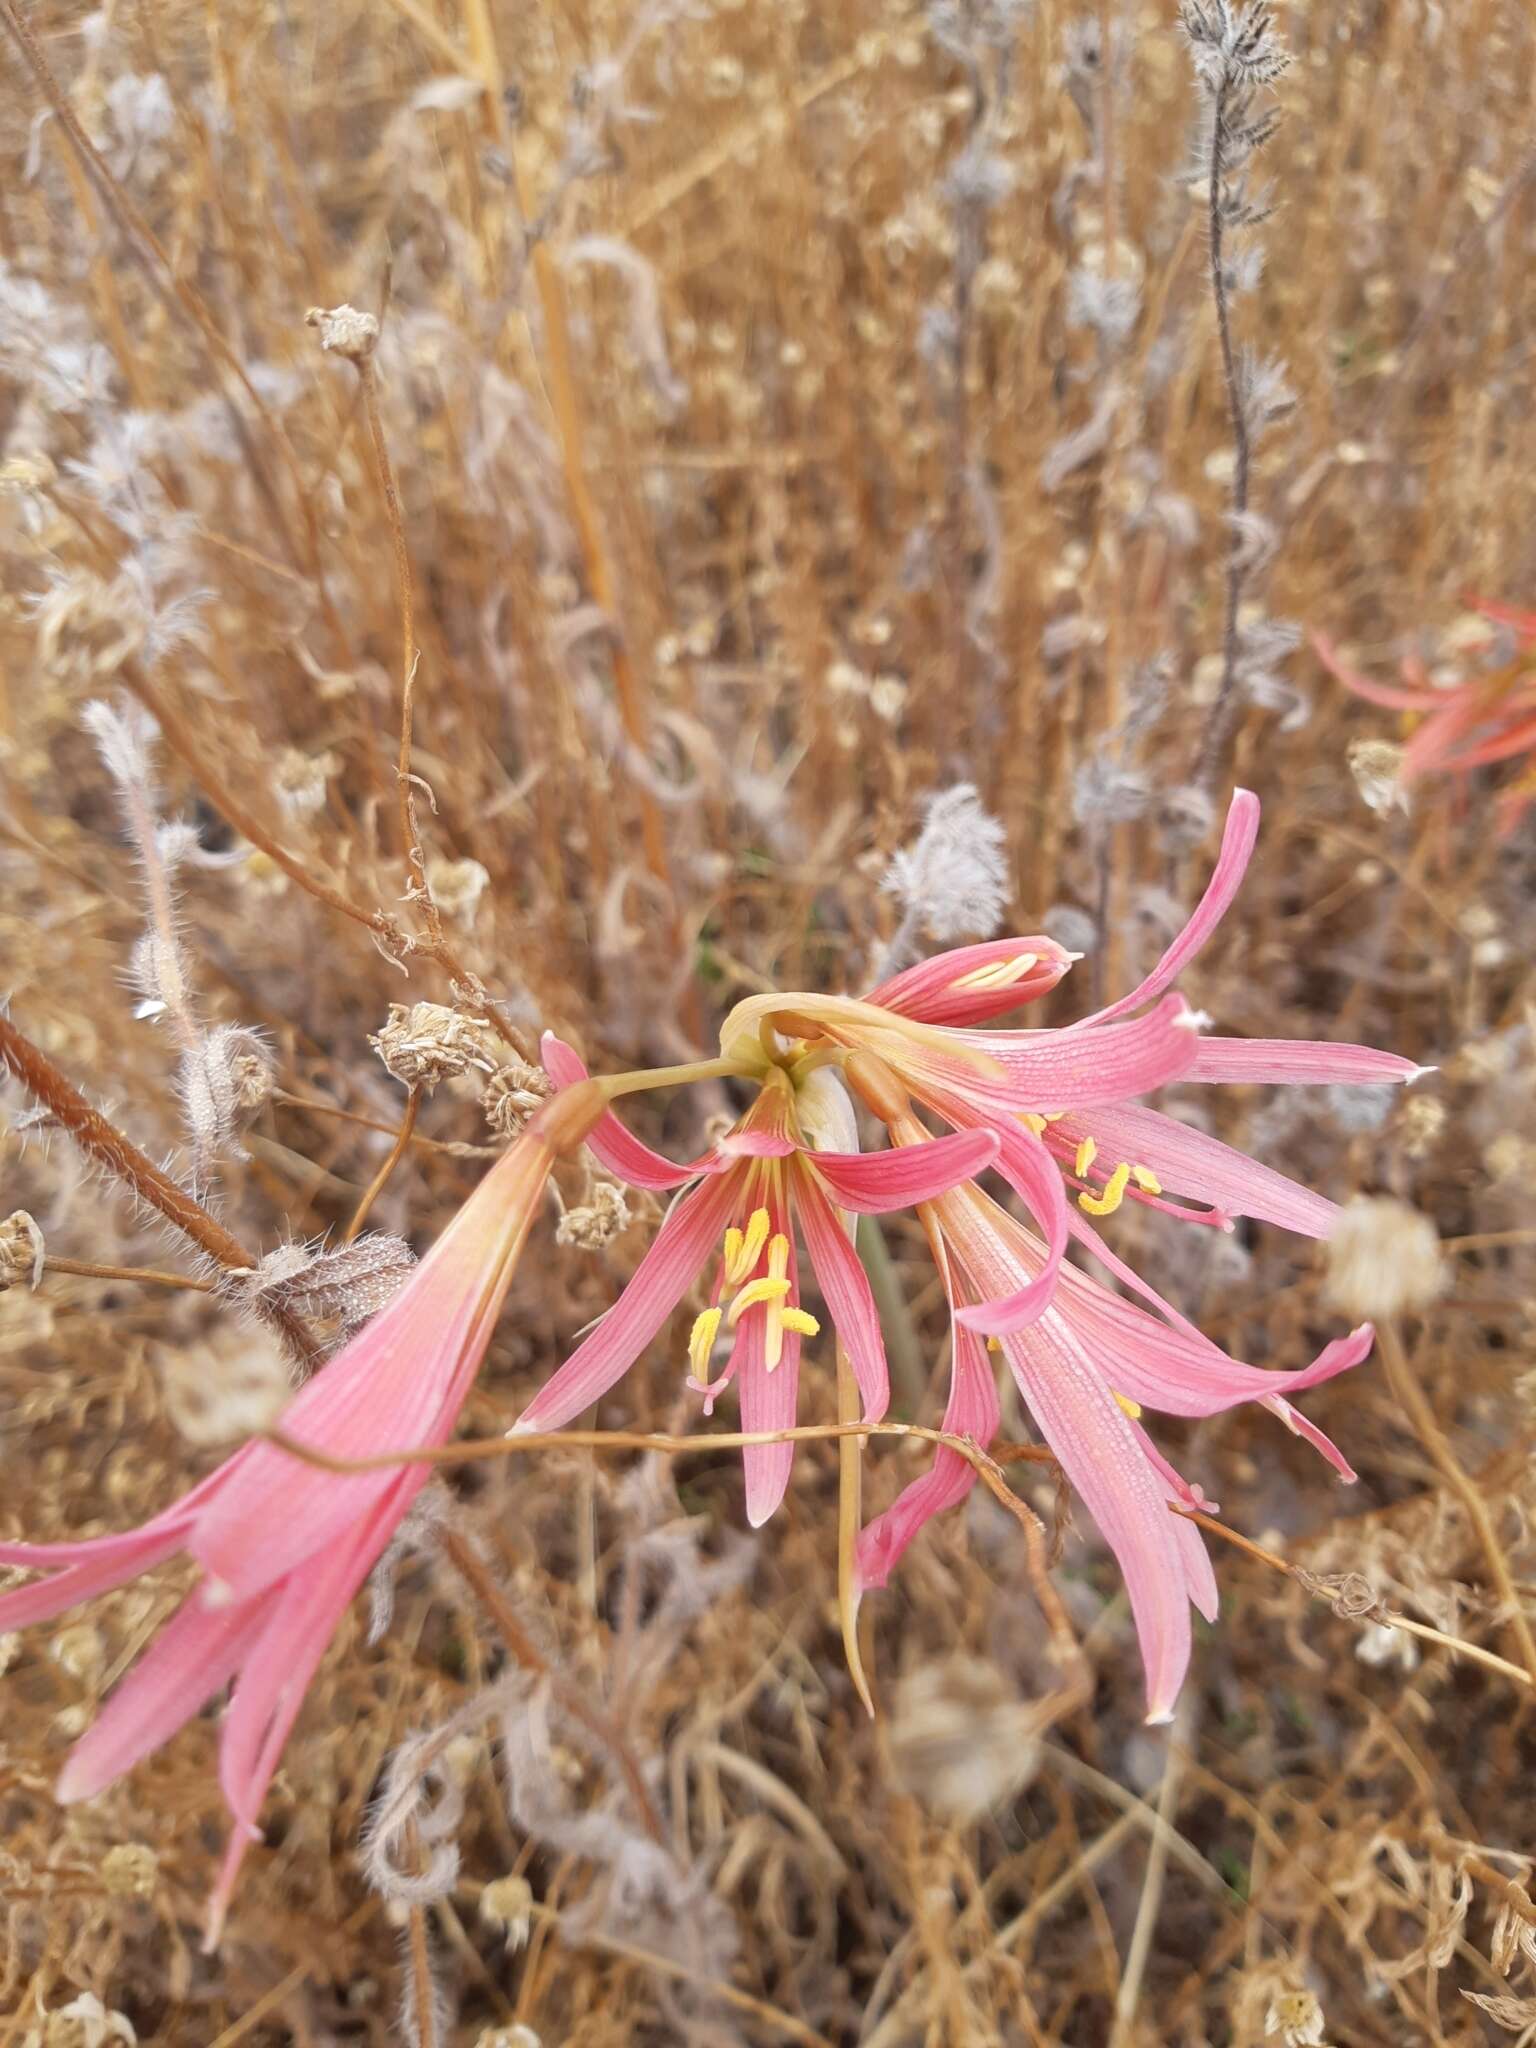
396 1154
482 1582
1415 1404
171 286
423 1992
474 1450
392 941
110 1148
87 1269
410 654
1219 720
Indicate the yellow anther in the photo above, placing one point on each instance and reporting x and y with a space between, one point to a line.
753 1294
998 973
1053 1116
1031 1122
1146 1180
800 1320
1132 1408
994 1343
701 1341
1087 1152
778 1256
1114 1194
742 1256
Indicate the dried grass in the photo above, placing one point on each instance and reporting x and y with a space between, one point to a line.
757 406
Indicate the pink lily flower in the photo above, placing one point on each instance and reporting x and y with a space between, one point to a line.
1085 1366
772 1172
284 1545
1064 1104
1467 724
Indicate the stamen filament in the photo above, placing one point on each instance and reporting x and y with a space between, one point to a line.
1114 1194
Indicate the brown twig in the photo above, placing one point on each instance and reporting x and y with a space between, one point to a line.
87 1269
112 1150
396 1153
471 1450
419 889
1416 1406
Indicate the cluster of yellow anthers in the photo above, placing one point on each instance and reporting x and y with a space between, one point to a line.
743 1249
1112 1194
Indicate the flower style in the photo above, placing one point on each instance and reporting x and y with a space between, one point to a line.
284 1545
769 1173
1469 724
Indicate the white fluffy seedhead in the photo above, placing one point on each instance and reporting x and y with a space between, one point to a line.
952 882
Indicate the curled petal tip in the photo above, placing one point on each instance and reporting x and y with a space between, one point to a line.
1159 1717
523 1427
1417 1074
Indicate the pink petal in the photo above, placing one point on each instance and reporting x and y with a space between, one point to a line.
1057 1070
972 1412
79 1571
1199 1574
399 1383
1185 1375
928 991
845 1288
1297 1060
1030 1171
299 1619
614 1147
755 1144
194 1655
1388 695
1324 1445
1237 842
686 1239
873 1182
1190 1163
1102 1457
768 1401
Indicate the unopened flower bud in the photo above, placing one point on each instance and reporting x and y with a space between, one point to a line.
426 1043
21 1250
1383 1259
597 1221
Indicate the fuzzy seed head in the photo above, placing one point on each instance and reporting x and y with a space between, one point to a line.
953 879
21 1250
129 1871
424 1043
597 1221
344 331
505 1905
1377 766
512 1094
1383 1260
